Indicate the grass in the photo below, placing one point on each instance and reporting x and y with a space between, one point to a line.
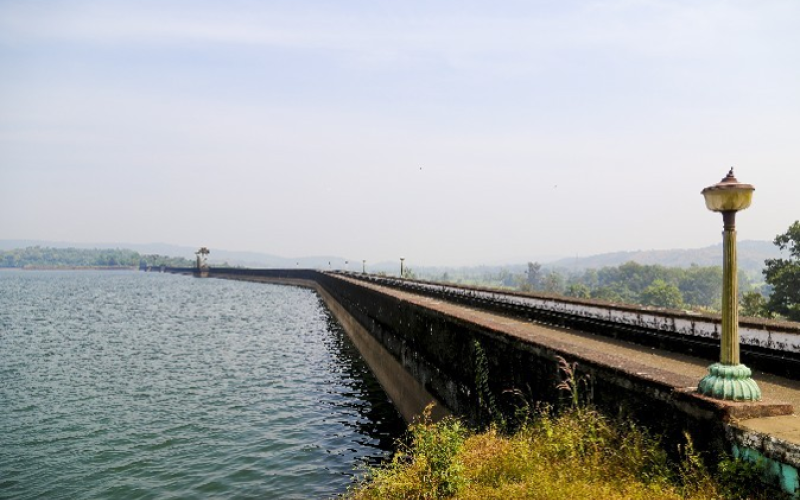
575 454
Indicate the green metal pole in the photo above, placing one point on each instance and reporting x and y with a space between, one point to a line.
729 344
729 379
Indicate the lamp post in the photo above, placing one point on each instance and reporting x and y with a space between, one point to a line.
402 259
363 267
729 379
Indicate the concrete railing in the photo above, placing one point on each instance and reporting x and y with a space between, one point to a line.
772 346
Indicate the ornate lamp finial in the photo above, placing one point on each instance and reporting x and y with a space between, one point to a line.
730 178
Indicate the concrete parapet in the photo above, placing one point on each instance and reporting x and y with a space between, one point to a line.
766 344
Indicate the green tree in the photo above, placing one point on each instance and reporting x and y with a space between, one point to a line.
534 275
579 290
662 294
784 275
635 277
505 277
78 257
616 292
702 286
753 304
590 278
553 283
607 293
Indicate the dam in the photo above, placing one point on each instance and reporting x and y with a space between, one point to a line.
643 362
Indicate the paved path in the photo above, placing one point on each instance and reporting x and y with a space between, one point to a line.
677 369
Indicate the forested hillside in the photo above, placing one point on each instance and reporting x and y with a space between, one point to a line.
45 257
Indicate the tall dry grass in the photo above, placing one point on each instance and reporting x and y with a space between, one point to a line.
577 454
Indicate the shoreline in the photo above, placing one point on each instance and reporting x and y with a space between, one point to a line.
71 268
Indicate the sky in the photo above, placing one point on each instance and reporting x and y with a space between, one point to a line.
448 133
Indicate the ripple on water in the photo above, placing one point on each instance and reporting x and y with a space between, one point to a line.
141 385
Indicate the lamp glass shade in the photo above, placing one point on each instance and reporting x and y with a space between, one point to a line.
726 198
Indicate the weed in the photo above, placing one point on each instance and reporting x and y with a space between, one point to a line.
571 382
429 467
486 400
576 453
742 479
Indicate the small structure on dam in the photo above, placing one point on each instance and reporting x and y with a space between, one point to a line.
202 262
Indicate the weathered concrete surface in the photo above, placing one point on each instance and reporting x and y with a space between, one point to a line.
785 428
770 345
773 443
677 372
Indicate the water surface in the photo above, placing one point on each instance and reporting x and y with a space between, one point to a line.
146 385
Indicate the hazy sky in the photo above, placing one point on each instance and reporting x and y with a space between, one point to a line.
452 132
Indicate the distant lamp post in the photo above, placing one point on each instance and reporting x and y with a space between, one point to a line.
363 267
402 259
729 379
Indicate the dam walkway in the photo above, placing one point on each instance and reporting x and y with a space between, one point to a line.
680 371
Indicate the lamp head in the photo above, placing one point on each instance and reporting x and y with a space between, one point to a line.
728 195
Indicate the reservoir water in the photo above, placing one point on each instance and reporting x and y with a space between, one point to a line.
145 385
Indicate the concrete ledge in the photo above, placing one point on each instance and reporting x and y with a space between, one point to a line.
767 435
734 411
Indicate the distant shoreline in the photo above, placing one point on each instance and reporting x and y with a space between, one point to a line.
71 268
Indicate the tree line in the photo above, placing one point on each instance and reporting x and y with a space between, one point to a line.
783 276
33 257
776 294
698 287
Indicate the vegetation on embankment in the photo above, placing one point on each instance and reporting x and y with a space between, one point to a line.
576 454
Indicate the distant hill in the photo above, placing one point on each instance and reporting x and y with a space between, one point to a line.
217 256
751 255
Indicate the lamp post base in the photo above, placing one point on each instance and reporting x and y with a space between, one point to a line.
730 382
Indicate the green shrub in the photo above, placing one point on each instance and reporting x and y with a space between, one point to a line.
575 454
428 467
